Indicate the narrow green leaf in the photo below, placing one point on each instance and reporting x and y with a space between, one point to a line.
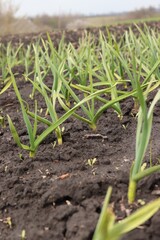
106 219
135 219
25 116
35 121
15 135
146 172
14 132
8 84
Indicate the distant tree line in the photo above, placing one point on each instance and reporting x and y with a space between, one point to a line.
144 13
55 21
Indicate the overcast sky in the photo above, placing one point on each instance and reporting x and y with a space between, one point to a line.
35 7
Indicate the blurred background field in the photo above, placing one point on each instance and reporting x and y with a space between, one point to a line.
12 23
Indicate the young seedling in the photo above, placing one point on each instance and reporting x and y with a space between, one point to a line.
8 221
23 234
144 127
31 131
108 229
49 95
91 162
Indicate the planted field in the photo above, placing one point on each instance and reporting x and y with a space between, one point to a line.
79 115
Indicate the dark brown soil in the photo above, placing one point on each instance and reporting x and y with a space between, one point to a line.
57 196
74 35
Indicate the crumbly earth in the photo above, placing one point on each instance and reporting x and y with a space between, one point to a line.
57 195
